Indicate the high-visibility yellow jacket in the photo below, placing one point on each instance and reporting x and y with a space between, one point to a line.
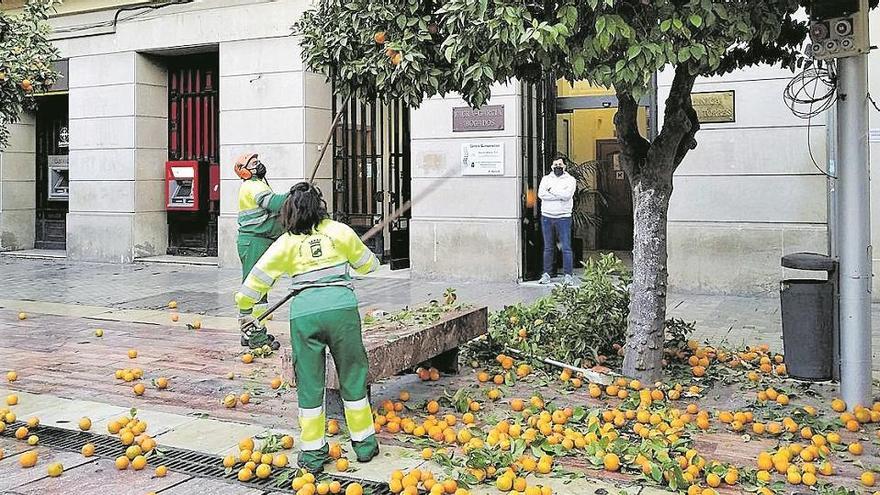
258 209
321 260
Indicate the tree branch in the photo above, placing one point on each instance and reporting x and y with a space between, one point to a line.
634 147
680 122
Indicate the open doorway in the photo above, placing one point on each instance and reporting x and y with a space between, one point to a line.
52 179
585 133
192 172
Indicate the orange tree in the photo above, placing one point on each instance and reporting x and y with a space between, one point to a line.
413 49
26 55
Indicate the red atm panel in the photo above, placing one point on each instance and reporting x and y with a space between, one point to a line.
182 185
214 182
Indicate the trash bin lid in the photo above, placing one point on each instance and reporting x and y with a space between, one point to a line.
809 261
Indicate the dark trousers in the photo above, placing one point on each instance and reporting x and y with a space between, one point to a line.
557 229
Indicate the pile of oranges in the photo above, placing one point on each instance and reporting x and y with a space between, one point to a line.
253 463
139 446
129 375
410 482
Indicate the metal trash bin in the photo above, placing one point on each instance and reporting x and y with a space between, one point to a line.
809 333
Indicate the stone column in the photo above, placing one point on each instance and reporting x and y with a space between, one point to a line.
268 105
17 187
118 148
465 227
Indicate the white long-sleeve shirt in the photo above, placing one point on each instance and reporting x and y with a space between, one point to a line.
557 195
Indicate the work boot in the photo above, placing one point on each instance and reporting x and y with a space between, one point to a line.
313 460
257 338
545 279
567 280
366 449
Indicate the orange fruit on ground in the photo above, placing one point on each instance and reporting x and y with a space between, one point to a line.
275 383
11 400
286 442
782 399
28 459
245 398
404 395
85 424
139 389
122 463
138 463
161 383
698 371
353 489
838 405
433 407
332 427
21 433
161 471
246 443
11 376
247 358
22 316
868 479
55 469
263 471
855 448
175 317
88 450
611 462
132 354
342 464
245 474
852 425
482 377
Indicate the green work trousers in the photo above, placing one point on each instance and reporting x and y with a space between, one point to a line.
250 249
340 331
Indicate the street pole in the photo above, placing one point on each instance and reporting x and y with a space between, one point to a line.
833 230
855 231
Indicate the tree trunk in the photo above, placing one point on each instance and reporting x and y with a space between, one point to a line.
647 307
650 167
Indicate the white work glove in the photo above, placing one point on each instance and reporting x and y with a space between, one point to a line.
246 322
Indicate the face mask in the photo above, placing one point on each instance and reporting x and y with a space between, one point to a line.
261 170
558 171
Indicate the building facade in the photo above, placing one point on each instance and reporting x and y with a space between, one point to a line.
149 83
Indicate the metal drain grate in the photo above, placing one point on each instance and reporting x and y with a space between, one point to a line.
182 460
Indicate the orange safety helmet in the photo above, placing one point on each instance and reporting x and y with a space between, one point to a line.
242 165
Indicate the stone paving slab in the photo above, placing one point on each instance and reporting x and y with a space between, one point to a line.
101 478
13 476
390 458
213 437
67 413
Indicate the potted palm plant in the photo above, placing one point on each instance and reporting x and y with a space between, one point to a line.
588 201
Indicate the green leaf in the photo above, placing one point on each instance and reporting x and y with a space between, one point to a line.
696 20
633 52
684 54
601 21
665 25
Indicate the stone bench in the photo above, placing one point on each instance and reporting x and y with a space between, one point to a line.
393 348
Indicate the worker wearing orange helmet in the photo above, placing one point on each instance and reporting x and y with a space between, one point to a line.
258 227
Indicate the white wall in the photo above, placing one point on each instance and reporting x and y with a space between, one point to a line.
17 187
749 193
464 227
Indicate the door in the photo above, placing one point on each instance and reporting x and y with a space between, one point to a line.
52 184
371 174
539 143
616 232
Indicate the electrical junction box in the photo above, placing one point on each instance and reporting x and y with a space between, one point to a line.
838 29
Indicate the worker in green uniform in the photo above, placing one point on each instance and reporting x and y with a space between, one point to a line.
258 227
319 254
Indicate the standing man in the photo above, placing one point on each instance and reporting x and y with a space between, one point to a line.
557 201
258 227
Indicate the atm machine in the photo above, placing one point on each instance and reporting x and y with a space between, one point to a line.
192 199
